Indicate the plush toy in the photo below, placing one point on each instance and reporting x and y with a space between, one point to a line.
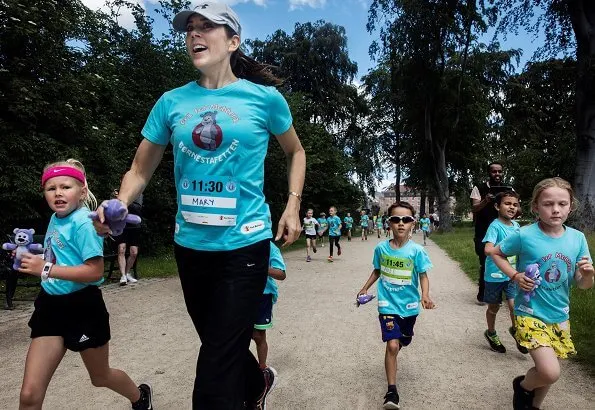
114 211
363 299
23 243
532 272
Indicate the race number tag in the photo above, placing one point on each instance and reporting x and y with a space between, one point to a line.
397 271
209 200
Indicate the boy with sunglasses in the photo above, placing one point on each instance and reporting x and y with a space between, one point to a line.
401 266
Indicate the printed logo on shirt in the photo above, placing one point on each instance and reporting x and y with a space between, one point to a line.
566 309
553 273
208 135
413 305
383 303
252 227
525 309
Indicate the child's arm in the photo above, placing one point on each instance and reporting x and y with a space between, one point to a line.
89 271
489 248
502 263
426 302
277 274
373 278
584 275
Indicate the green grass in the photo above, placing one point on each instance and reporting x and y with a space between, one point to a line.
458 244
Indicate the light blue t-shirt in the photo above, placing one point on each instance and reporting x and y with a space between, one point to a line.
424 223
348 222
276 262
496 233
70 241
557 258
364 221
334 225
379 223
322 224
220 139
398 285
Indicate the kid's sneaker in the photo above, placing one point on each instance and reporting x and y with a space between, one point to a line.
330 259
270 381
146 398
521 399
123 280
522 349
130 278
391 400
308 258
494 341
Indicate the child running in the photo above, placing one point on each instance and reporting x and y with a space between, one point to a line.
363 222
348 221
401 266
265 312
70 313
334 232
424 224
379 225
322 227
310 225
563 257
497 283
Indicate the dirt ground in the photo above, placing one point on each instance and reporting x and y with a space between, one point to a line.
328 353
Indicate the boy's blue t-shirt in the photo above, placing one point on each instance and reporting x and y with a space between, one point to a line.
364 221
334 225
496 233
70 241
322 223
379 223
557 258
220 139
276 262
348 222
424 223
398 285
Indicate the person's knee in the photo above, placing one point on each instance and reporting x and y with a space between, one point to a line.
134 251
392 347
493 308
122 249
31 396
549 372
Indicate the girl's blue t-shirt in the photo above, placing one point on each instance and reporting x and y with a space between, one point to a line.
70 241
364 221
398 285
557 258
322 223
334 225
424 224
220 139
275 261
348 222
496 233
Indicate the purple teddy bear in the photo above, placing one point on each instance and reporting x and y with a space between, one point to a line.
532 272
116 216
23 243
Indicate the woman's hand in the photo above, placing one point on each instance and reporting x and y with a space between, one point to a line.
100 224
289 227
31 264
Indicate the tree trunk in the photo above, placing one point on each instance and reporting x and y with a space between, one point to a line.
395 120
582 15
422 203
443 188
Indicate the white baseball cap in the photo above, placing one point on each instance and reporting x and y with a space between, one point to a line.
218 13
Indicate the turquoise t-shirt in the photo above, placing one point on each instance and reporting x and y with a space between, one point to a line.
322 224
379 223
364 221
348 222
424 223
557 258
70 241
220 139
276 262
398 285
496 233
334 225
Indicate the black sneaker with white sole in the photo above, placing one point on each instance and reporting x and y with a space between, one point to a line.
270 381
521 399
391 400
146 398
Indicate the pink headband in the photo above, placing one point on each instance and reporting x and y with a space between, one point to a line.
63 171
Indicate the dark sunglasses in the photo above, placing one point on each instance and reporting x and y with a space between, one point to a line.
396 219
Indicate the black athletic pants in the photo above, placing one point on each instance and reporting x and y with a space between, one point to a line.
479 250
222 291
333 240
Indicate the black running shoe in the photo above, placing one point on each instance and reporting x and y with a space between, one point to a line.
522 399
522 349
391 400
146 398
494 341
270 380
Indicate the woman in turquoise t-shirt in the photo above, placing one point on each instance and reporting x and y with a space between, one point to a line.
219 127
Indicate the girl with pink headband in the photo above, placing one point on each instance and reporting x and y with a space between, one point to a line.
70 313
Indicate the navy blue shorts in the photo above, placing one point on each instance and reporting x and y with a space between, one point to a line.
397 327
493 291
265 313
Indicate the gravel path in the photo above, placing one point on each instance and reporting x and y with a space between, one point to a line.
328 353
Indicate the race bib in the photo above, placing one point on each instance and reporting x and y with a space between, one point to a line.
209 200
397 271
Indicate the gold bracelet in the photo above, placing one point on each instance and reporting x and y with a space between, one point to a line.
298 196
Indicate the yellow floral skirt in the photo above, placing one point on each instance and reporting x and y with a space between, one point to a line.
533 333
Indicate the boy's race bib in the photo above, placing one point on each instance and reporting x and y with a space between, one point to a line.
397 271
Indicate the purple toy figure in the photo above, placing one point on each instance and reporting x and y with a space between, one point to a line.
23 243
532 272
363 299
114 211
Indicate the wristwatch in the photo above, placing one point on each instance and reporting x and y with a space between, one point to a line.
45 272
